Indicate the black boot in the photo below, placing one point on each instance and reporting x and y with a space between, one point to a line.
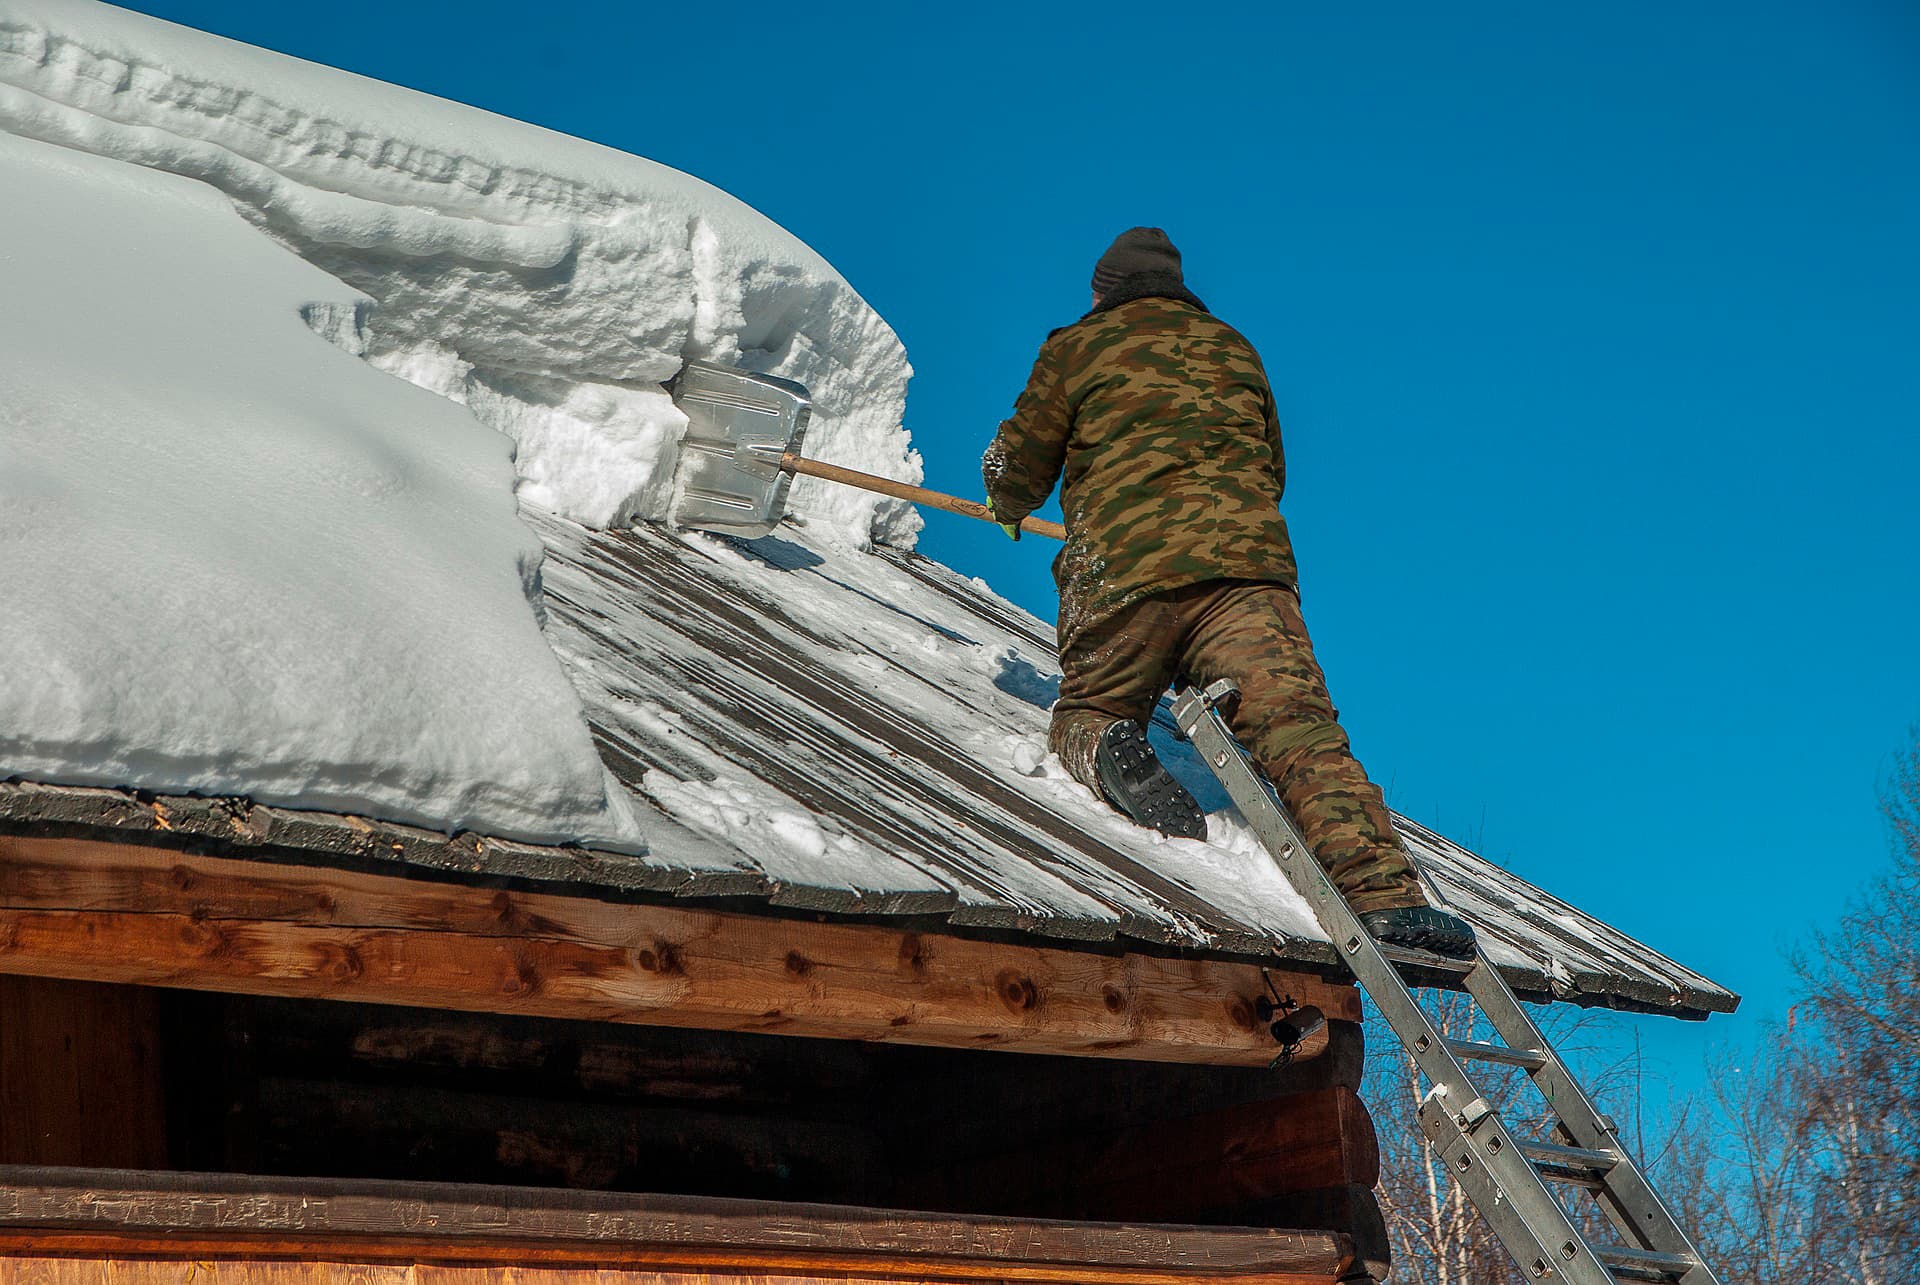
1421 928
1135 782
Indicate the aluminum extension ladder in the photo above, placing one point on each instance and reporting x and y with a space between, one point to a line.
1505 1176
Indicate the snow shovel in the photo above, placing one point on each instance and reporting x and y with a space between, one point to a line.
742 449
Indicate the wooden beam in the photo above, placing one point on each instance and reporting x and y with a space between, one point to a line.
453 1134
223 1216
953 1096
97 911
560 1061
91 1260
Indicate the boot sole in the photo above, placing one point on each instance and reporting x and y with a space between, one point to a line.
1151 796
1452 940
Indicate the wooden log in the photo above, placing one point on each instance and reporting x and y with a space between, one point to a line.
1206 1165
383 1092
377 1091
111 912
91 1260
975 1103
1224 1160
80 1079
549 1058
222 1216
1352 1208
435 1134
1058 1098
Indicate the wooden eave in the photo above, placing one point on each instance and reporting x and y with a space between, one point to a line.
89 910
269 836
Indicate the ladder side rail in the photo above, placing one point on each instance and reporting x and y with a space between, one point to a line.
1504 1012
1463 1128
1516 1211
1284 843
1624 1194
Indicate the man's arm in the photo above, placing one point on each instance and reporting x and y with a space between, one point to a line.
1023 461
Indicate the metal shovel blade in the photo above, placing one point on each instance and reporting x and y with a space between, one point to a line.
739 427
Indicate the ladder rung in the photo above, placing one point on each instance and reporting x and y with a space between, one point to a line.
1644 1264
1579 1165
1531 1059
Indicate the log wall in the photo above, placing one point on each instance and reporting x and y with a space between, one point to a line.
134 1077
516 1038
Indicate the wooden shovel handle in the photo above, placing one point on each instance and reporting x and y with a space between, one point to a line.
918 494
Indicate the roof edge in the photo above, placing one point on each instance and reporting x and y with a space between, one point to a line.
238 827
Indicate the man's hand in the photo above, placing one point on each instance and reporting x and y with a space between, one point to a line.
1011 528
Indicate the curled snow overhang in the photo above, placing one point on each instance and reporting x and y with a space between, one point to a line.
548 283
814 730
173 436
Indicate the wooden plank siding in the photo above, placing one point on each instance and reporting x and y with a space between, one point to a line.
88 910
79 1075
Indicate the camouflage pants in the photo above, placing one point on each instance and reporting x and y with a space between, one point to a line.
1251 632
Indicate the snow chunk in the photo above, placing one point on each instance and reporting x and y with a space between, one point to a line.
548 283
241 560
1028 755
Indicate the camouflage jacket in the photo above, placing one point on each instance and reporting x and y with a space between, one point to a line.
1160 418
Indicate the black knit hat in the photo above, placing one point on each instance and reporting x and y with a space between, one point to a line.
1135 251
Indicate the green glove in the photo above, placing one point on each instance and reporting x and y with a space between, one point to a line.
1011 528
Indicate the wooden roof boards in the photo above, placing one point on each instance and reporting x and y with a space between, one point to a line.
885 692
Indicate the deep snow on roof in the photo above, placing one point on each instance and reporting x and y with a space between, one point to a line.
230 539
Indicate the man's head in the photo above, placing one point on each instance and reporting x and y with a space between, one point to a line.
1133 252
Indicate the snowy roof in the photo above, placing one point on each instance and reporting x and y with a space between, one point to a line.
866 733
268 595
821 729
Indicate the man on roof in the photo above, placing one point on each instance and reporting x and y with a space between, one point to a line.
1160 419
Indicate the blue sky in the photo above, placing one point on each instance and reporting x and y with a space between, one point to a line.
1593 330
